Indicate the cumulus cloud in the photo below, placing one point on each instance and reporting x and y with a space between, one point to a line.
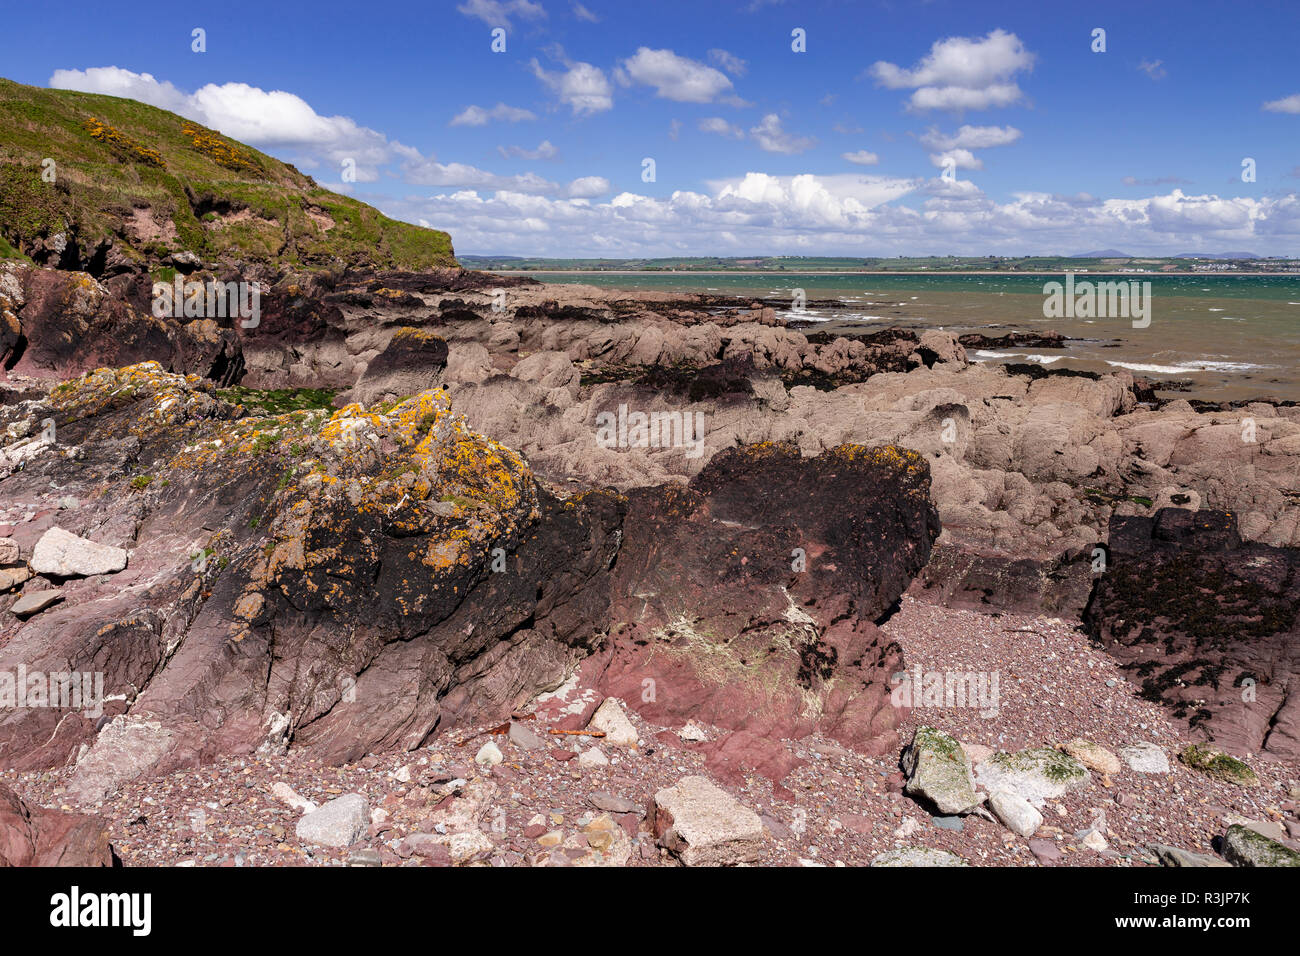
270 119
580 86
587 187
478 116
545 150
729 62
818 214
957 159
970 137
497 13
674 77
1287 104
771 137
716 124
961 73
861 158
582 13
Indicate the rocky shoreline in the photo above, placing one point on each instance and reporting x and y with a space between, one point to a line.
325 549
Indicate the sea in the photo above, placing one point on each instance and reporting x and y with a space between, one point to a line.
1214 337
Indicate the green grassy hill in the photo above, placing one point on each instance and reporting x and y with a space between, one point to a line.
134 183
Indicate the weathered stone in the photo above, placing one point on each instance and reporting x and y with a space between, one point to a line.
1092 755
938 770
1016 813
339 823
918 856
1173 856
33 602
1145 758
1213 762
610 718
1036 775
65 555
704 825
523 738
489 755
10 578
1244 847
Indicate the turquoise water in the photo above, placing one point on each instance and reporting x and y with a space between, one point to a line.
1228 337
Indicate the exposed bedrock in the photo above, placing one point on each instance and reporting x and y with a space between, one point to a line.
352 581
1208 624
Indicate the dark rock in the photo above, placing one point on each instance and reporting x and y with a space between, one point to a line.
1208 624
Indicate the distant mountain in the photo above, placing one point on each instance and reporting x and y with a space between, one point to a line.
1216 255
1102 254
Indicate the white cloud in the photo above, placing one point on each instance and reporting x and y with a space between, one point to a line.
861 158
816 214
497 13
582 13
771 137
478 116
716 124
959 158
1287 104
582 87
588 186
970 137
729 62
675 77
545 150
251 115
961 73
431 173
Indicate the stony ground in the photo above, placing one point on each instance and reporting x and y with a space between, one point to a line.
549 805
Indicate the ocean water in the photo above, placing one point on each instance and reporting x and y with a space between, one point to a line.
1227 337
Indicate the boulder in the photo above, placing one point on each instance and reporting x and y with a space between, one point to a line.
339 823
703 825
62 554
1092 755
1245 847
1213 762
937 770
1036 775
610 719
1016 813
1145 757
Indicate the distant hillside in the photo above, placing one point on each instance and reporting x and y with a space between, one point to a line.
134 184
1102 254
1216 255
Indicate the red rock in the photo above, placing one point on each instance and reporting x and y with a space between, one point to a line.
1046 851
36 836
563 755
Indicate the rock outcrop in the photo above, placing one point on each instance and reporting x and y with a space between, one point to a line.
1208 623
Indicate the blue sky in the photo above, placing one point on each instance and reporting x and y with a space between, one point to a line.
1050 147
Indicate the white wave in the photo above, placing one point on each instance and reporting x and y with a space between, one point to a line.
1039 359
